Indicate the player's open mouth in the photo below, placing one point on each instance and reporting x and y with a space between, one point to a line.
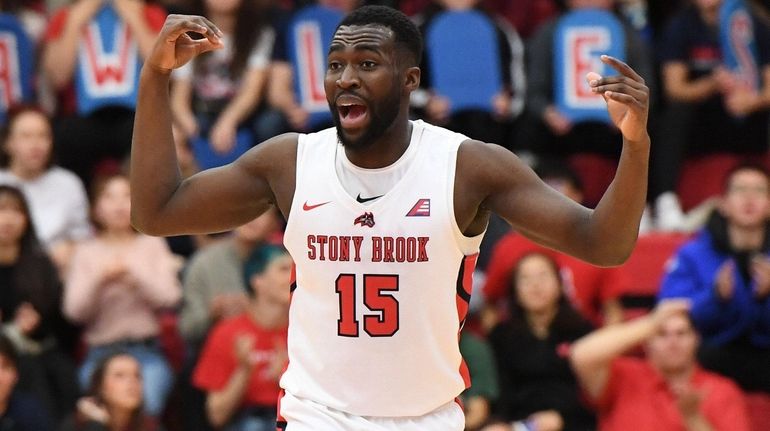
352 114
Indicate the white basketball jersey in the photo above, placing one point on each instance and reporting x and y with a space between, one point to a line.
381 289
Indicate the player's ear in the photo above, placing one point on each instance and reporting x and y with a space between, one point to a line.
412 78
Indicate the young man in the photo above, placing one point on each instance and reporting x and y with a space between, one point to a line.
385 216
725 272
665 391
244 355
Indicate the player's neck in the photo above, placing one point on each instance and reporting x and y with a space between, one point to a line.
386 150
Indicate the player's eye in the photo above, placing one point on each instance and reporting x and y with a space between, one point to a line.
334 65
368 64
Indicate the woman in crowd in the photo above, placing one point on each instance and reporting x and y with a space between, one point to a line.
114 400
117 284
57 198
217 94
30 301
537 387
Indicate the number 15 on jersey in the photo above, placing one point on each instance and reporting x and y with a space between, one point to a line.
378 298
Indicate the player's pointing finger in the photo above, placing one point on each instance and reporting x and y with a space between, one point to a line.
622 67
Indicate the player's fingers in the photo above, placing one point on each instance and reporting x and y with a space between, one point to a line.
205 45
639 95
616 80
176 28
212 33
212 26
622 67
624 99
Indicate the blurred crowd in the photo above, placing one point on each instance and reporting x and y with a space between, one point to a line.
103 328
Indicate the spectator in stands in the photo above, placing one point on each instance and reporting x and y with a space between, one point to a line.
526 16
97 81
507 104
114 398
725 272
30 302
32 20
478 399
218 93
706 110
214 287
117 283
591 289
549 132
281 93
56 197
665 391
18 412
244 356
537 386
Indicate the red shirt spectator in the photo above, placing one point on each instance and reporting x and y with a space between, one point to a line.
218 361
638 398
665 391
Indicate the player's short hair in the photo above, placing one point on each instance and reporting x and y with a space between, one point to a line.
406 34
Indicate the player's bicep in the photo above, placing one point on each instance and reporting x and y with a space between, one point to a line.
530 205
223 198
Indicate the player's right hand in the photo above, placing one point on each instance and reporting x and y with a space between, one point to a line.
174 47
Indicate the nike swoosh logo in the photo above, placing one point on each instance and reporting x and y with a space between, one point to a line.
307 207
362 200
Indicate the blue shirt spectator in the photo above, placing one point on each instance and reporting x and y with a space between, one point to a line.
725 273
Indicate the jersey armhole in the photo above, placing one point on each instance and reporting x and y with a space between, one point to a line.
467 244
297 175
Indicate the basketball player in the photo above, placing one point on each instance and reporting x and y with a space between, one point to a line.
385 216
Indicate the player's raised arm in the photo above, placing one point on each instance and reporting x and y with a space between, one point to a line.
213 200
605 235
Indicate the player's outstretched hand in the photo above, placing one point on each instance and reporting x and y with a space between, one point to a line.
627 98
174 47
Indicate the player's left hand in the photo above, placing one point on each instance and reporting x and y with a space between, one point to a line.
627 98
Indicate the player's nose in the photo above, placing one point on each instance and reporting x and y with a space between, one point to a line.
348 78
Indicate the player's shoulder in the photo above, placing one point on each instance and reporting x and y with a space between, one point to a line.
277 152
482 156
431 132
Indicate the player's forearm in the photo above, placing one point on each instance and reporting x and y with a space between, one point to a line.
615 221
221 405
154 169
